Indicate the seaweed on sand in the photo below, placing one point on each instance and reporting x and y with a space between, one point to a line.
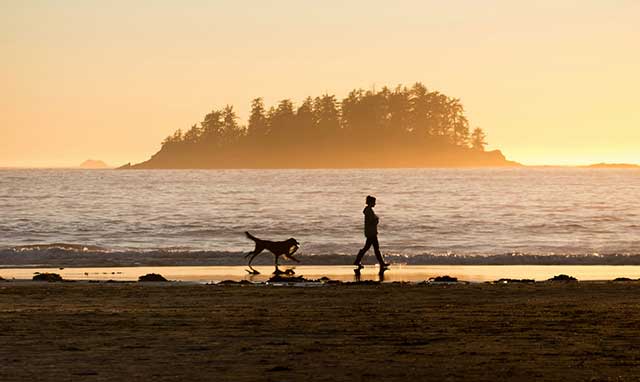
444 279
514 281
278 278
232 282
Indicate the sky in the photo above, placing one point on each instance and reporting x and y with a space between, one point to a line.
551 82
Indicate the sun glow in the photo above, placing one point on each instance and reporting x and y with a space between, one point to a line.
550 82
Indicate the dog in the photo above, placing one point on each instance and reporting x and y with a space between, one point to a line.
284 248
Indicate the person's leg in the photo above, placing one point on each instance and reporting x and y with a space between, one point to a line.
376 250
364 250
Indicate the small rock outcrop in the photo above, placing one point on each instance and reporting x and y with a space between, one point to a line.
152 277
563 277
50 277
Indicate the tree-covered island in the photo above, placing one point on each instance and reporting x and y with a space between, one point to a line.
400 127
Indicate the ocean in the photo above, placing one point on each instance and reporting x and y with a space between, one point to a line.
427 216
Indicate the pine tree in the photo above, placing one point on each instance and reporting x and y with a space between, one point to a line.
478 139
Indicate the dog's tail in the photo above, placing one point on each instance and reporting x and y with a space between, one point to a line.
250 236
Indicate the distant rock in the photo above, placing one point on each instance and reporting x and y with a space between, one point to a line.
50 277
93 164
152 277
622 279
125 166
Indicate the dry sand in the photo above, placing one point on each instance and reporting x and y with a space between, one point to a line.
99 332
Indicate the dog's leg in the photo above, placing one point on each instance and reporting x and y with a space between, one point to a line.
253 256
290 257
277 271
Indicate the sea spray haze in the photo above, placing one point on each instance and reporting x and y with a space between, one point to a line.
425 213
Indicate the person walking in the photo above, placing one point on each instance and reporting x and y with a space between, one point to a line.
371 233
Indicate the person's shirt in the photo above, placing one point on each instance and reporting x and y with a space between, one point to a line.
370 222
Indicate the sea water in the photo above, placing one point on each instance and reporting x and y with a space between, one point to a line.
455 216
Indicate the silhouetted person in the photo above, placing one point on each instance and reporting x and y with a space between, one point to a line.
358 275
371 233
381 274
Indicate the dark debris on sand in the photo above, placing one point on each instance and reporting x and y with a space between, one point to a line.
444 279
514 281
152 277
279 278
49 277
563 277
232 282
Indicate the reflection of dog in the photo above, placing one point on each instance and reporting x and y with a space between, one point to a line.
284 248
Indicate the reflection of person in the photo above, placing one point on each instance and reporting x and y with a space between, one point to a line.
371 233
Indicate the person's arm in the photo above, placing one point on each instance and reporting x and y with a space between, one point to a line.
370 217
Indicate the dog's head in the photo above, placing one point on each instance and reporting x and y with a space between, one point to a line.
293 245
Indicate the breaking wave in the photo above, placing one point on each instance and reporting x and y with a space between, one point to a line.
79 255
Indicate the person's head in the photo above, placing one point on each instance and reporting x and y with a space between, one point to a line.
371 201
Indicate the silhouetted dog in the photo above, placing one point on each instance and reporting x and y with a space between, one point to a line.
284 248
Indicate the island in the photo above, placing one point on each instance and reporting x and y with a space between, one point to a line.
389 128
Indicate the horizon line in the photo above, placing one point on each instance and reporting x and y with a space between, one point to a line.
65 167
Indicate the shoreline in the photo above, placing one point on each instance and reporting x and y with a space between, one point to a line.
76 255
343 274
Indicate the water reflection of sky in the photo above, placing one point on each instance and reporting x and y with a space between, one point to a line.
415 273
463 211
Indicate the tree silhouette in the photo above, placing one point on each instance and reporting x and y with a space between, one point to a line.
258 124
400 127
478 139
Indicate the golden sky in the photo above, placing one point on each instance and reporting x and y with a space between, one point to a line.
551 82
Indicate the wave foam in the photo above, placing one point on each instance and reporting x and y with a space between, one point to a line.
77 255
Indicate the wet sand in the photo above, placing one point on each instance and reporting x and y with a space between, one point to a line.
397 272
131 331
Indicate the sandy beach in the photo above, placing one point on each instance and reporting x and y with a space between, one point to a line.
178 331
